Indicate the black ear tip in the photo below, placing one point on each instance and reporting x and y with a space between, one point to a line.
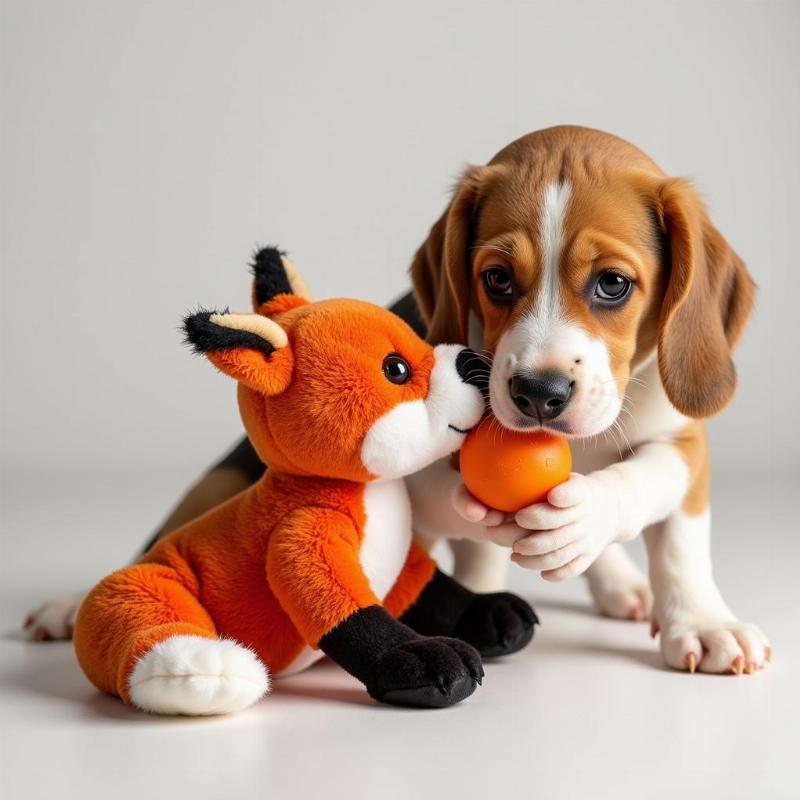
269 274
205 335
267 260
198 330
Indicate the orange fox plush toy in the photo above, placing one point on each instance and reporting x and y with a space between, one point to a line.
341 400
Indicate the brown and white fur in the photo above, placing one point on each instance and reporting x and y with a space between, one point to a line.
548 216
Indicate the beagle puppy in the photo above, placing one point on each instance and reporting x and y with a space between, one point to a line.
607 305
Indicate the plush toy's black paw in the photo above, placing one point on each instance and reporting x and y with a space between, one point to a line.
433 672
497 624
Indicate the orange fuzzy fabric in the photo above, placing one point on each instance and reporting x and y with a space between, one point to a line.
277 566
265 569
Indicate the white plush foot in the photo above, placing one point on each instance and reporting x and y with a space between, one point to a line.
719 646
55 619
619 587
196 676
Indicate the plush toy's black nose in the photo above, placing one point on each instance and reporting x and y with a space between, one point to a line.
472 369
541 395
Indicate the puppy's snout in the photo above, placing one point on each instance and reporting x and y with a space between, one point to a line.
541 395
472 369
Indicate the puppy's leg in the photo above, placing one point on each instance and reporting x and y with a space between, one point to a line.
698 630
239 469
480 566
54 619
618 586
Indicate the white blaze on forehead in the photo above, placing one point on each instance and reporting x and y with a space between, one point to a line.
544 337
551 227
545 321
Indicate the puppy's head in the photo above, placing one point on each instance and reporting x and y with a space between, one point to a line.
574 259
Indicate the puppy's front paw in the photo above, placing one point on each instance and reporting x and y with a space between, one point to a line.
434 672
722 646
497 624
579 519
618 587
631 601
54 619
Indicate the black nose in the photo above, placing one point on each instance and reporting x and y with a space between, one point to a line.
542 395
472 369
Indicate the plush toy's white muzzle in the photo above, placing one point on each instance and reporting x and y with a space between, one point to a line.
418 432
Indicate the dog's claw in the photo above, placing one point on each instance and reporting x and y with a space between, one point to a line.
750 668
654 628
28 622
41 635
768 655
737 665
691 663
637 613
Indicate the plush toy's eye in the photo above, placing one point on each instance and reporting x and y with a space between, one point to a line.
396 369
611 288
498 283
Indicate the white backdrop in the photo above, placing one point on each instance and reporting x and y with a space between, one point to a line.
147 147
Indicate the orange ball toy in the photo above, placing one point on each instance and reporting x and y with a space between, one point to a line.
509 470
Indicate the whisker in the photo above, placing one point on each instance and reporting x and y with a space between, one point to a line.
612 430
624 437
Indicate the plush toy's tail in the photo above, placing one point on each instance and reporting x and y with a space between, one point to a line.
143 635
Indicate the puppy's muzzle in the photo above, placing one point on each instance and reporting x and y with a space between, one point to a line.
541 395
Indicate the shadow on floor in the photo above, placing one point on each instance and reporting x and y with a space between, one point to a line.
646 657
50 669
569 606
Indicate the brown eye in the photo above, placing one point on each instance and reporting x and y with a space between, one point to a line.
396 369
498 283
611 288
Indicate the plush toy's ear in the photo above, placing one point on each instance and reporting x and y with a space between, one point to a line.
249 347
273 275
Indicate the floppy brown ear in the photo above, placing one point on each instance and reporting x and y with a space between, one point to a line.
708 300
440 270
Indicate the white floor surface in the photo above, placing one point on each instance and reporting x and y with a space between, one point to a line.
587 711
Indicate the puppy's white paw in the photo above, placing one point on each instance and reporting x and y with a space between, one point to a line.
717 646
619 588
632 600
196 676
55 619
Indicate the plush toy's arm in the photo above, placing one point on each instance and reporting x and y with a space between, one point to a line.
313 568
314 571
417 573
